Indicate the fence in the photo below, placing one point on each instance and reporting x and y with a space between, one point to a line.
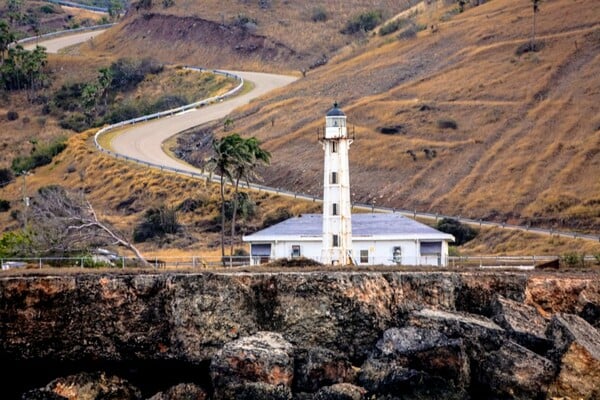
200 263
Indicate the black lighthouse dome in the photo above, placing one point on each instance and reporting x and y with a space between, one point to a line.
335 111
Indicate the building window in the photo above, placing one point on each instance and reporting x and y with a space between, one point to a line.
295 251
334 178
364 256
336 241
334 146
334 209
397 255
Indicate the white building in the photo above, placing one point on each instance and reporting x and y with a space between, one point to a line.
338 237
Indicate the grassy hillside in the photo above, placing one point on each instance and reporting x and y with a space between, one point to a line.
447 116
493 134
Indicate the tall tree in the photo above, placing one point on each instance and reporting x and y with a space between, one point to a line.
249 156
222 162
6 38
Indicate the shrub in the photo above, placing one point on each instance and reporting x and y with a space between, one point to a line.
76 121
245 22
319 14
446 123
281 214
6 176
529 48
157 222
572 260
364 22
4 205
47 9
15 244
392 26
12 115
127 73
411 31
462 233
42 155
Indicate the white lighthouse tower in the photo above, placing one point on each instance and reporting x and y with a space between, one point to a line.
337 207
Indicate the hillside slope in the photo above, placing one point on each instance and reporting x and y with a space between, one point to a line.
525 147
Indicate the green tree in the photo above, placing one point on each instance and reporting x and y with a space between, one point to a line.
249 157
461 232
222 162
6 38
115 8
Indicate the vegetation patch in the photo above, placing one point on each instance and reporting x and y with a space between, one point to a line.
393 26
392 130
40 155
462 233
529 48
364 22
447 123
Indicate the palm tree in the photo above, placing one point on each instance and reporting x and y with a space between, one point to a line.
225 157
250 156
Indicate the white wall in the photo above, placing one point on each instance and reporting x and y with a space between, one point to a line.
379 252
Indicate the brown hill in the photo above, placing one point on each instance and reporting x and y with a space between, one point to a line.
482 131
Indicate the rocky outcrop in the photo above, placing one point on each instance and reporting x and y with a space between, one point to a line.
262 364
299 334
183 391
577 351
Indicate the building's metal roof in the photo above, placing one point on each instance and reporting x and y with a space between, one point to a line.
374 224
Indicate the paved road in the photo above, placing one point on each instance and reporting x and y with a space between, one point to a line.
55 44
143 141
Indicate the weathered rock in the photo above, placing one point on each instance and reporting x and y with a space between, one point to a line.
426 350
388 377
514 372
577 348
523 323
183 391
86 386
566 294
317 367
264 357
478 291
340 391
474 329
254 391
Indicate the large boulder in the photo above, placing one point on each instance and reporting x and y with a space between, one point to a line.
264 357
514 372
183 391
340 391
523 323
317 367
577 349
423 362
479 333
253 391
86 386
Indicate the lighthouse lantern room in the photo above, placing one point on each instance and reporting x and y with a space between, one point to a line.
337 206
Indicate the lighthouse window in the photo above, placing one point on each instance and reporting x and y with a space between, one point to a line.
334 210
334 147
334 178
336 241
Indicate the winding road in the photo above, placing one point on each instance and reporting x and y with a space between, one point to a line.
143 142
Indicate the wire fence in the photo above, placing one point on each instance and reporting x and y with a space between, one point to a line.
200 262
